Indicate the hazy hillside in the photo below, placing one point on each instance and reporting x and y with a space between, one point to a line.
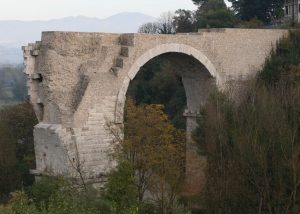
10 55
12 85
14 34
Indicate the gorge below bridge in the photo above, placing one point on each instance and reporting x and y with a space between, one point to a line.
78 82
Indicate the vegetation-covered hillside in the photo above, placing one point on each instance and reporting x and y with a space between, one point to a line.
253 145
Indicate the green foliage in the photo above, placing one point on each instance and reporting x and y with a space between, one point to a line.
16 148
215 14
19 204
213 5
184 21
220 18
121 190
282 59
199 2
41 191
55 195
262 10
65 203
59 203
253 23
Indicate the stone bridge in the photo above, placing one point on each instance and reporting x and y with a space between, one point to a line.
78 83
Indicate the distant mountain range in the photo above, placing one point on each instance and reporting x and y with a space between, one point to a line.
14 34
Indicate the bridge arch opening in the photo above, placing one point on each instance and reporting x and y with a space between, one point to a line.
198 78
197 73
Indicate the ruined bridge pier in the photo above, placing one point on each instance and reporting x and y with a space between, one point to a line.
78 83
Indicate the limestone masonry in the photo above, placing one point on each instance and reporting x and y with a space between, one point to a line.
78 83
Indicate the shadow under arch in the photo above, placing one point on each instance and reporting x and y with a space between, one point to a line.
146 57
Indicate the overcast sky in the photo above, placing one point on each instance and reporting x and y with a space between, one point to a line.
50 9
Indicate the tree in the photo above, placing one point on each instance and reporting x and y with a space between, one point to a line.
184 21
214 13
221 18
164 25
121 189
154 150
208 5
263 10
199 2
150 27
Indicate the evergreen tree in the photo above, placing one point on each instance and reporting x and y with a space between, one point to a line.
263 10
214 13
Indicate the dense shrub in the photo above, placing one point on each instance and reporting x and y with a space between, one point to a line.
55 195
59 203
122 191
279 64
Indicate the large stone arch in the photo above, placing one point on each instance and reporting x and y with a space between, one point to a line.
111 61
146 57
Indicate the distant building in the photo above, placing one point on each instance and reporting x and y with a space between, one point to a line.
292 9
